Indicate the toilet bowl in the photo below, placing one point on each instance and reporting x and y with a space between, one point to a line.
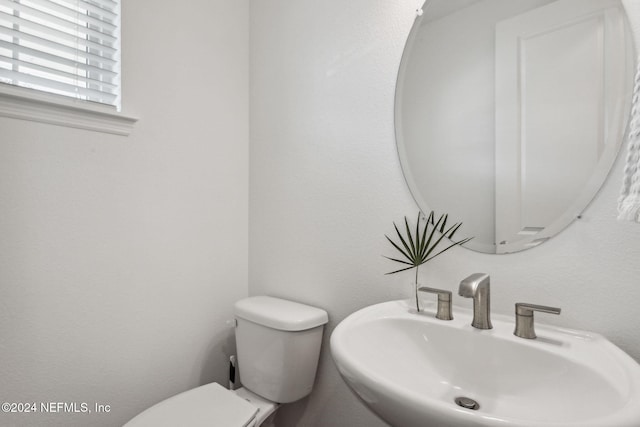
278 344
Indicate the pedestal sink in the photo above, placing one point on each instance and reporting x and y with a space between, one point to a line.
410 369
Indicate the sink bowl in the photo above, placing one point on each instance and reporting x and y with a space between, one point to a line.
410 368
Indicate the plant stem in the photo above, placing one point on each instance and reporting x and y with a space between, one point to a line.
417 300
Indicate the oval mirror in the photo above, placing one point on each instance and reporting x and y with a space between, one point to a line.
510 113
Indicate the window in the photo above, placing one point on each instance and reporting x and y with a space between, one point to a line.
63 47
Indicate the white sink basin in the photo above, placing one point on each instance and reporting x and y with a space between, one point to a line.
409 368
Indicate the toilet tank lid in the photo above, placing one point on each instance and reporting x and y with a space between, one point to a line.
280 314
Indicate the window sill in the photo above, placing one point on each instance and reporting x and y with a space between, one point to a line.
26 104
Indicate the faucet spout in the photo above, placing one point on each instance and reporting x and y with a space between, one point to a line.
477 287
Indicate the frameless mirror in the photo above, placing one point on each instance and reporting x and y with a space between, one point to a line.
510 113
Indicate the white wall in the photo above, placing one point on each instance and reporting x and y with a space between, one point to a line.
325 185
121 257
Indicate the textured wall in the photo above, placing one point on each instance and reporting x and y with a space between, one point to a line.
121 257
325 184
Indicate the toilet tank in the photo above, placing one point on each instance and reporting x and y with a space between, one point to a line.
278 343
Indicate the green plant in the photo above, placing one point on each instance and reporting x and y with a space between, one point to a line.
419 248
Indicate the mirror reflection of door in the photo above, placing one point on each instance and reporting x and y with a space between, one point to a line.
558 74
510 113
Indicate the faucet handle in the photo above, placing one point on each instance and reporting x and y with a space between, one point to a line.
524 318
526 309
444 302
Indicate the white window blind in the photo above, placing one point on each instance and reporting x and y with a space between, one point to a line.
65 47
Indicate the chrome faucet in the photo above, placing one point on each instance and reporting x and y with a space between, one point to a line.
444 302
524 318
476 286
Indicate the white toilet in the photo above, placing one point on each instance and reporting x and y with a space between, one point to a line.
278 344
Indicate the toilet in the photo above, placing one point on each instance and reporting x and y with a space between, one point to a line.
278 344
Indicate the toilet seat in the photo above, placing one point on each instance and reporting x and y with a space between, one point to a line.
206 406
265 407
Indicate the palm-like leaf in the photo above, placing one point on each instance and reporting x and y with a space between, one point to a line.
416 249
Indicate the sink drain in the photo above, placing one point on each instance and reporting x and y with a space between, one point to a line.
467 403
